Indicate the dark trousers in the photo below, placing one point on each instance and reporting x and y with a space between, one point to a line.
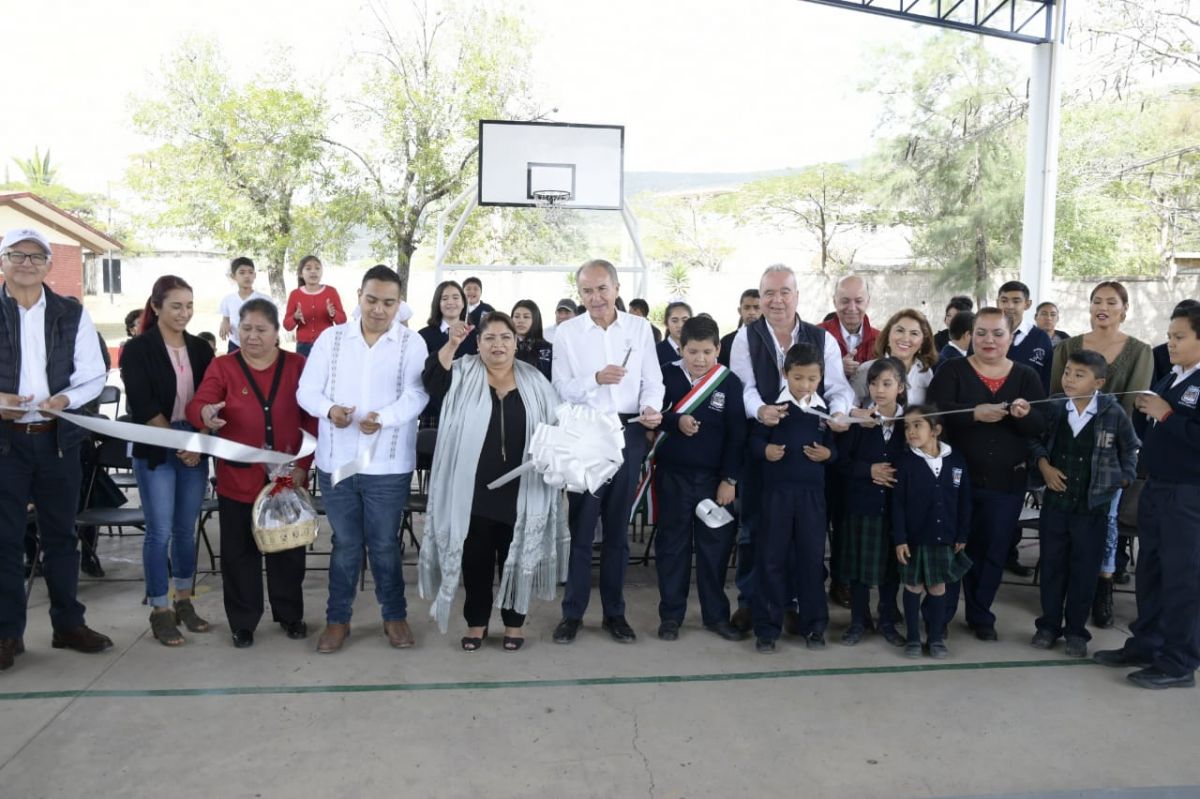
1167 628
241 572
33 470
749 512
484 553
835 499
994 514
790 560
1072 548
610 506
678 535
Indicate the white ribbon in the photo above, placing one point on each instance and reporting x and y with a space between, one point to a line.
181 439
580 453
358 465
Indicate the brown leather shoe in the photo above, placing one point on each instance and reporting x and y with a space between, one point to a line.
398 633
742 619
81 639
8 651
332 638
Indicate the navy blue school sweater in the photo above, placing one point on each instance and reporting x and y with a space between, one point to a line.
859 448
1035 350
931 510
1171 450
795 431
719 445
666 353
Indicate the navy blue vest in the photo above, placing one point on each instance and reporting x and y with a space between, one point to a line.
767 369
62 325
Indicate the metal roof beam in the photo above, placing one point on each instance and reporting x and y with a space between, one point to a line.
986 18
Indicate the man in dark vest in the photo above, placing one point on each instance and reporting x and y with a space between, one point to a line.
757 359
49 360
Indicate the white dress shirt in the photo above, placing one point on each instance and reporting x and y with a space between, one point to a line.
582 348
1180 373
1022 331
852 339
838 395
384 378
87 378
1078 420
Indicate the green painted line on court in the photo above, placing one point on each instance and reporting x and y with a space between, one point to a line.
661 679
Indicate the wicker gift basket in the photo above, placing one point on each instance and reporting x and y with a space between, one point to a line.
284 516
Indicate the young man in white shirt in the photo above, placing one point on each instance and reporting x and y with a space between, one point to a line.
605 359
242 271
363 381
39 455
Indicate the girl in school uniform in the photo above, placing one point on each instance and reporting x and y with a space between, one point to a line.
931 514
870 452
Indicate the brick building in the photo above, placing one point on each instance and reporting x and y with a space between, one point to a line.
70 237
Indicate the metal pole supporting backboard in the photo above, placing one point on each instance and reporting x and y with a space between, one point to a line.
1041 162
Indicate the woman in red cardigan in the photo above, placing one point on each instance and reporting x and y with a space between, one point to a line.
250 397
313 306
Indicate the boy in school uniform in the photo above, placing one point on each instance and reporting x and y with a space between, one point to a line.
1165 639
1087 453
959 343
242 271
790 553
697 457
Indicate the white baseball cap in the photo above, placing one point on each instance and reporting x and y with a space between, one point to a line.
18 235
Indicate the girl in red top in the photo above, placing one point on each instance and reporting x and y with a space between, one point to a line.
313 306
250 397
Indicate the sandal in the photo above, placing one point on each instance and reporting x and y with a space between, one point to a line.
185 612
162 626
513 643
473 644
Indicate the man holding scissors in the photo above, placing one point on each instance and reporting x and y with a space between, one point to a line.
605 359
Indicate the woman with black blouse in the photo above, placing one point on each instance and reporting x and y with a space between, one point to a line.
492 404
993 429
161 368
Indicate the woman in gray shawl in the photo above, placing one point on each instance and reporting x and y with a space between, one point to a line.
492 405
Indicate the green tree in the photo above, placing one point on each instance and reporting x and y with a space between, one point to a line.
684 231
952 164
244 165
521 236
38 170
433 77
825 201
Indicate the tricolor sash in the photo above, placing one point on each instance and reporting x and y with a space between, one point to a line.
689 402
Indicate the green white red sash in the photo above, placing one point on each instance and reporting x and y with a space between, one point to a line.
688 403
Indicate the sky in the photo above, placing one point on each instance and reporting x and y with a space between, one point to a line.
701 85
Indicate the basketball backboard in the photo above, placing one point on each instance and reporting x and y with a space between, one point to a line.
581 166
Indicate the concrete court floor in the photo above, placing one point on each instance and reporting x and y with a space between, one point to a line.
696 718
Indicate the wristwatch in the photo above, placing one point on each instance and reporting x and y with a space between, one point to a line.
731 481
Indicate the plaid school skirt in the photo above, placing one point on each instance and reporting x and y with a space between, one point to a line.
865 553
931 564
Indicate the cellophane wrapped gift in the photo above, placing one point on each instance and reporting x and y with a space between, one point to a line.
284 515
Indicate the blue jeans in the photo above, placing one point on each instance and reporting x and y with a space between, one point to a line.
1108 564
366 509
171 495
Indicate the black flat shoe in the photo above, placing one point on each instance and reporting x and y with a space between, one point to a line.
726 630
1157 680
765 646
243 638
296 630
566 630
985 633
891 635
853 635
668 631
1120 659
512 643
619 629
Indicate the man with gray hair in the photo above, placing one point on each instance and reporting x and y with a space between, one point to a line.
605 359
852 329
757 359
49 361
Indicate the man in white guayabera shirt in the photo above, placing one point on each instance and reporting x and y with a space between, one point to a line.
363 381
605 359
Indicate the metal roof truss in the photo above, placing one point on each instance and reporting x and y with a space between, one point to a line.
1030 21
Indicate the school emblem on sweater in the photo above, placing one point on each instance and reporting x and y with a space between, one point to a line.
1038 356
717 401
956 475
1190 396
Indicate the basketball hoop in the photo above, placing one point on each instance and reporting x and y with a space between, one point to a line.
550 201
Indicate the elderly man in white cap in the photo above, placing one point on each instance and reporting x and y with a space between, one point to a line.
49 360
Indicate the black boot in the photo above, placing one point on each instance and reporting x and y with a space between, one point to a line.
1102 605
